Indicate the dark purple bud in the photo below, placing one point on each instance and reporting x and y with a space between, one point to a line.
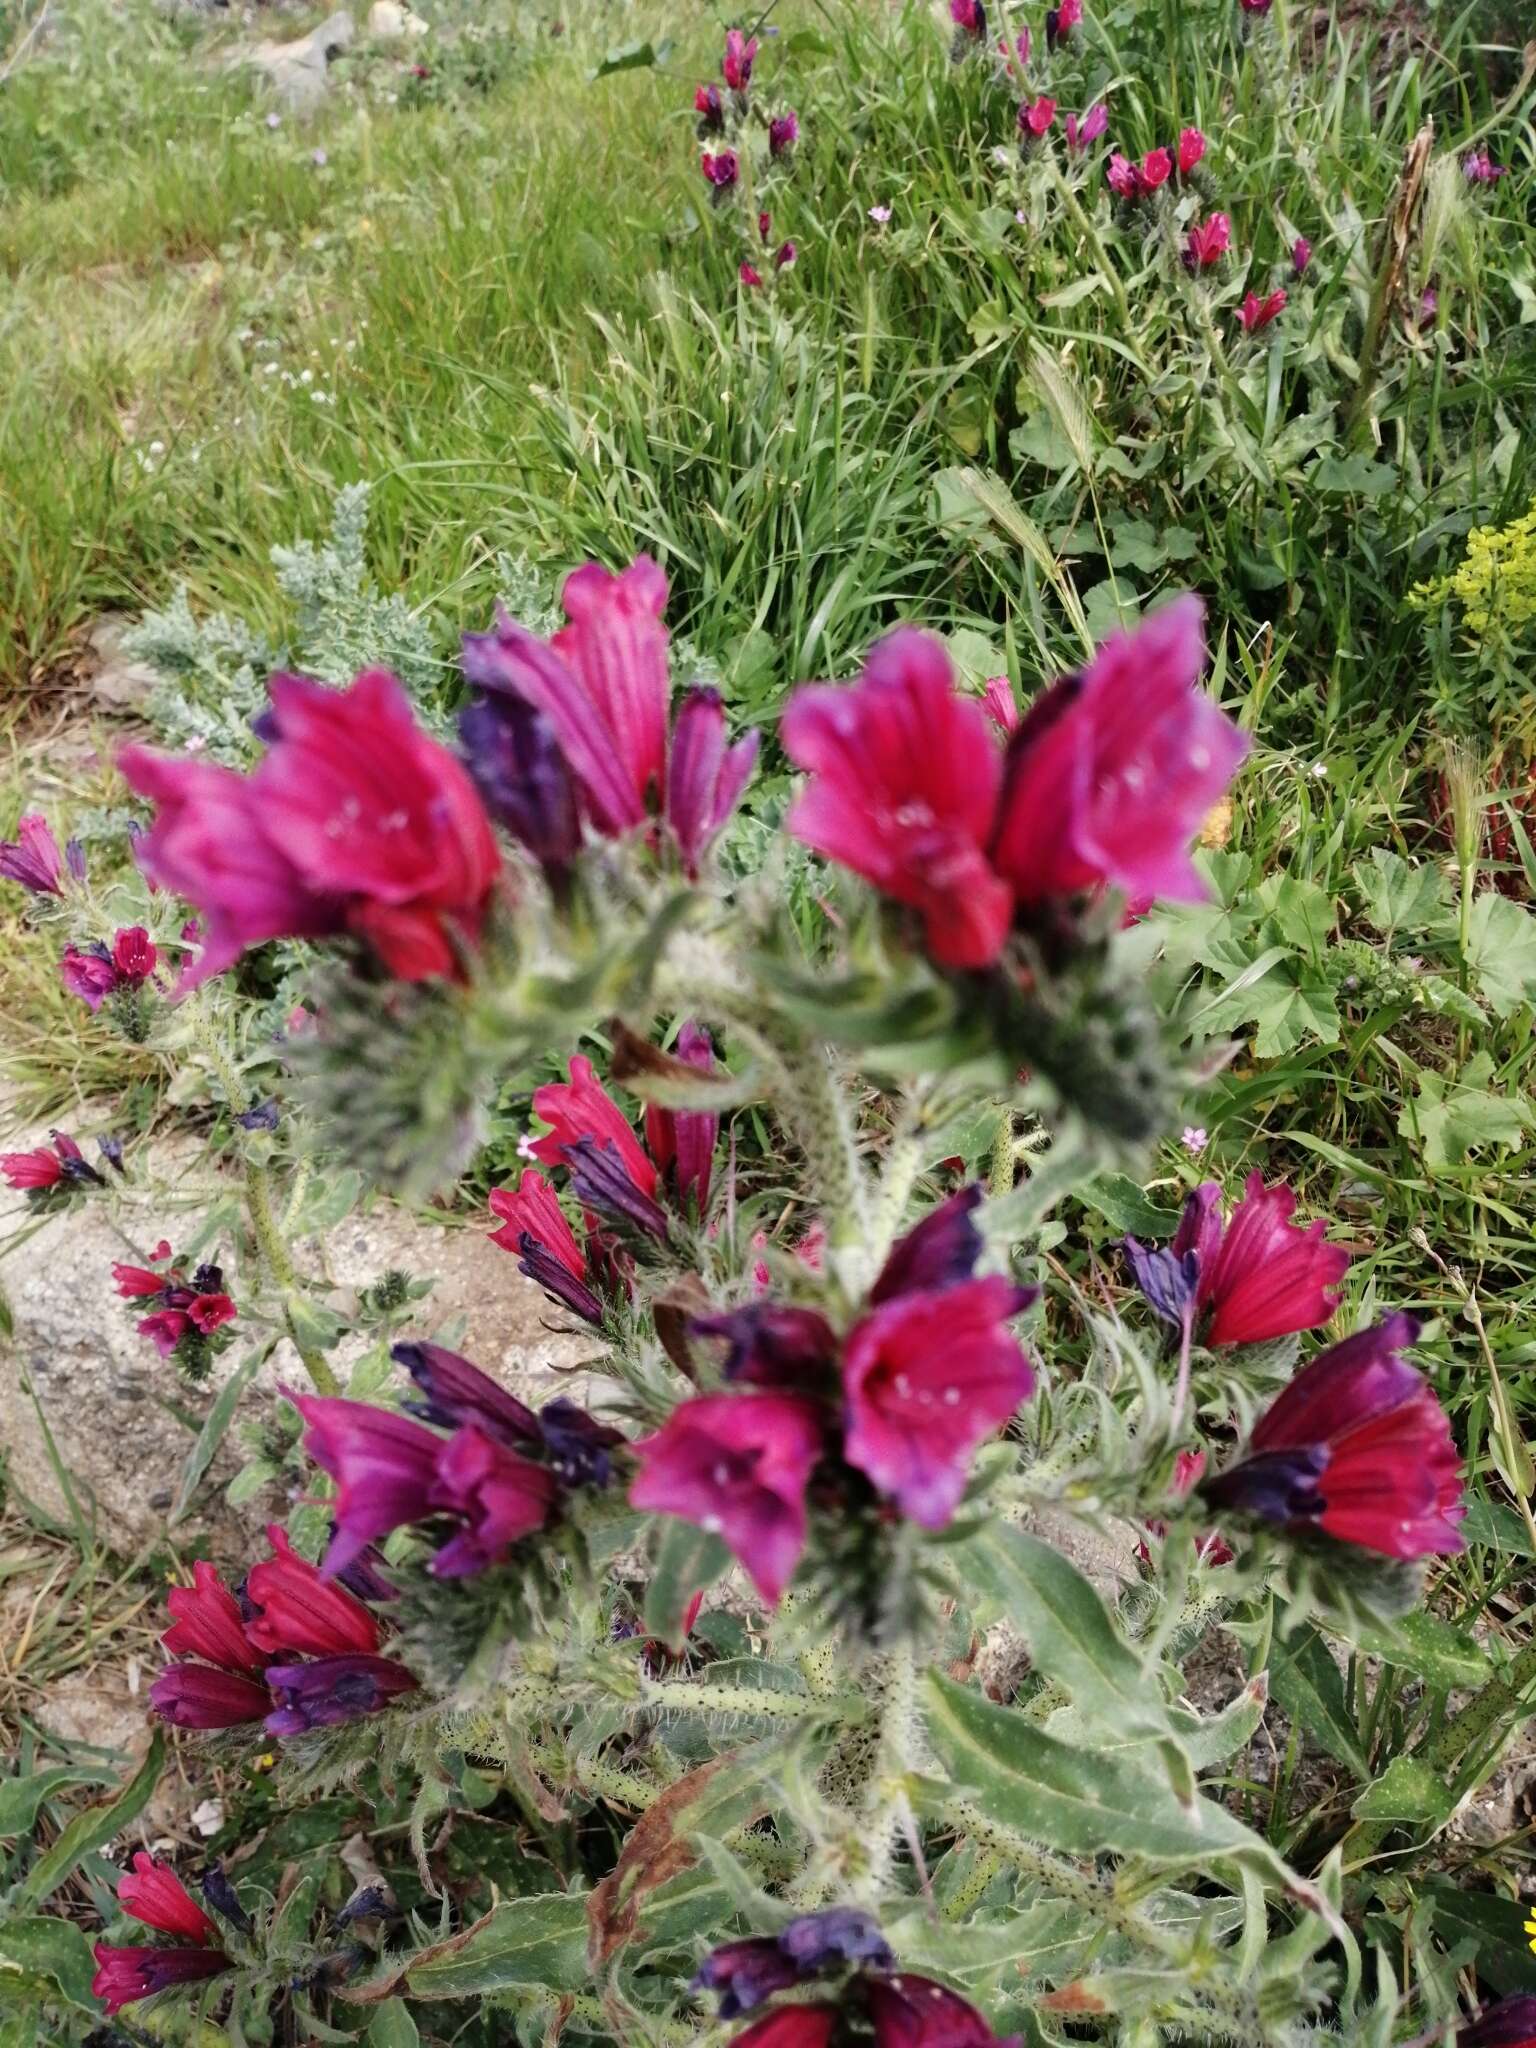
518 767
556 1278
772 1344
73 1161
111 1150
941 1251
842 1934
262 1118
221 1895
744 1973
208 1280
1170 1280
458 1392
330 1690
601 1181
577 1443
1509 2024
371 1903
264 726
74 859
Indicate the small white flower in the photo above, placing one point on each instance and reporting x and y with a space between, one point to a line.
1320 771
274 120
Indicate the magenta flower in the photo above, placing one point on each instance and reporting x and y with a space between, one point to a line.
1086 129
296 1608
1156 169
534 1226
198 1696
737 1465
1106 782
1255 312
1260 1276
940 1251
710 108
928 1377
914 2012
736 65
1061 20
783 133
793 2026
138 1282
1036 118
384 1466
705 776
581 1108
774 1344
784 256
32 858
750 277
207 1622
970 17
151 1891
353 821
997 696
134 956
682 1141
722 169
1123 177
1358 1447
1207 242
1016 55
497 1496
1112 771
1191 149
1256 6
1479 168
1301 254
332 1690
903 790
125 1975
165 1329
88 972
49 1166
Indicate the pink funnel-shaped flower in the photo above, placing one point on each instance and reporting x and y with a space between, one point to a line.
1191 149
1301 254
207 1622
152 1892
1086 128
1261 1276
296 1608
705 777
1156 169
927 1377
1036 118
125 1975
682 1141
384 1466
88 972
32 858
354 820
534 1227
970 16
1255 312
997 696
582 1108
324 1692
498 1497
903 788
783 133
198 1696
736 65
1113 771
722 169
602 680
1207 242
1358 1447
737 1465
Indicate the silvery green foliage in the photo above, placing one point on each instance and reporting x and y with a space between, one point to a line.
215 667
345 624
528 593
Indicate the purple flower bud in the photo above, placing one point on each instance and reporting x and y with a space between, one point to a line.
198 1696
1170 1280
458 1392
329 1690
841 1934
744 1973
111 1150
371 1903
1301 254
518 767
600 1181
125 1975
783 133
577 1443
773 1344
74 858
363 1577
224 1899
263 1117
556 1278
1509 2024
32 857
938 1252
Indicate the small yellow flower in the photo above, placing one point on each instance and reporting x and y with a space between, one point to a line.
1530 1928
1496 582
1217 829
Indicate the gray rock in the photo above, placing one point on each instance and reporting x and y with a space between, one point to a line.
297 71
104 1392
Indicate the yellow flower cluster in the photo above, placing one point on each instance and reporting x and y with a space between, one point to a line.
1496 581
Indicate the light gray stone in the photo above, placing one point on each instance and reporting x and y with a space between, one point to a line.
297 70
103 1391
